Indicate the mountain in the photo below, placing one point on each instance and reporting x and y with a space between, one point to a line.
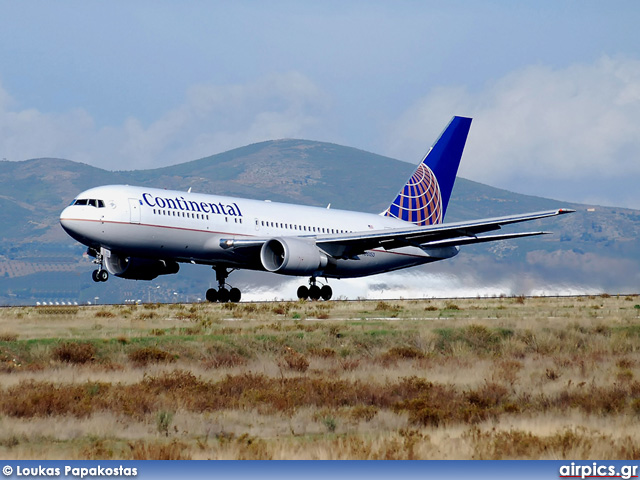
595 249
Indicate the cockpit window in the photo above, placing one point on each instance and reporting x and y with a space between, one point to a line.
92 202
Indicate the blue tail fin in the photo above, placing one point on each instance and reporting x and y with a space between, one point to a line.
424 198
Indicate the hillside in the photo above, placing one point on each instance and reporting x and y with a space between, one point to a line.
596 248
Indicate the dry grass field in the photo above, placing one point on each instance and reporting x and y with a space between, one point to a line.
512 378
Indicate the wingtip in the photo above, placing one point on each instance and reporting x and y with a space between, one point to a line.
562 211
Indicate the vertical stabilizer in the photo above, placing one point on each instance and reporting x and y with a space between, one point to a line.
424 198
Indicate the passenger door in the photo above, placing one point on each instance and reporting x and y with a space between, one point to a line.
134 210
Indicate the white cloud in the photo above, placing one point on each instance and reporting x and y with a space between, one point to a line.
29 133
212 119
539 122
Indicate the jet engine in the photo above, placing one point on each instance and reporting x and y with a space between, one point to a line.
292 256
135 268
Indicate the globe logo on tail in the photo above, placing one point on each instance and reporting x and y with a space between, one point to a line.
420 201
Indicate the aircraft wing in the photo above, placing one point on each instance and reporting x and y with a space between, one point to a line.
441 235
349 245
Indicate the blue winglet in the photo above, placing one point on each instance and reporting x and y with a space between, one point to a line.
424 198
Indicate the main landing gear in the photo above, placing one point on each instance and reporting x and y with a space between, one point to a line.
314 292
99 275
223 295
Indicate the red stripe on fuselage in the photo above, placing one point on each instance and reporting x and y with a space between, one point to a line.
209 231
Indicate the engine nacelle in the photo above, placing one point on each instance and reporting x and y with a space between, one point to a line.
135 268
292 256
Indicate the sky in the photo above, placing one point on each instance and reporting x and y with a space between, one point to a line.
553 86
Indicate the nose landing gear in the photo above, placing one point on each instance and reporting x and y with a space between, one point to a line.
223 294
314 292
99 275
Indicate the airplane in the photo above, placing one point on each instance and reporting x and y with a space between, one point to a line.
141 232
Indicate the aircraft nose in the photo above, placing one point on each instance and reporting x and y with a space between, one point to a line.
65 219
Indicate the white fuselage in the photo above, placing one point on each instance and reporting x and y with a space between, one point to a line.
187 227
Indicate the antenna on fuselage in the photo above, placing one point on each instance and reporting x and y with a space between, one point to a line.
328 206
189 191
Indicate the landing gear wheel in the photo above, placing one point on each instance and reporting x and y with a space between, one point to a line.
303 292
223 295
103 275
326 292
212 295
314 292
234 295
94 275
